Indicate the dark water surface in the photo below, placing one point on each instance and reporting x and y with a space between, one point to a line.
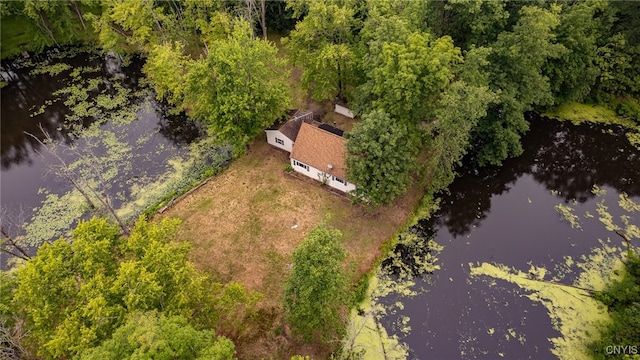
154 136
506 215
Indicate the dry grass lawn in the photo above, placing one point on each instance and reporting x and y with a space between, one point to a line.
245 223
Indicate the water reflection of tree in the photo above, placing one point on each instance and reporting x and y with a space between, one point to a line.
22 96
177 128
563 157
17 99
573 159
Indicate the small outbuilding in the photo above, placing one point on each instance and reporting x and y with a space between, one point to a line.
284 135
342 109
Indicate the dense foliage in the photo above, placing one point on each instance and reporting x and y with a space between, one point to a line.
78 295
380 157
316 290
623 299
239 90
396 57
149 335
322 44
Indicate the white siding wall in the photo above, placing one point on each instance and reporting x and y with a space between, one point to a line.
344 111
319 175
272 135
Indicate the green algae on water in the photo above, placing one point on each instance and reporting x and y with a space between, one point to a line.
366 335
572 309
566 213
414 256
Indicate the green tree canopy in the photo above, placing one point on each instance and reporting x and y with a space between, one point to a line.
53 18
151 335
406 70
73 296
516 62
136 24
456 116
380 156
475 22
239 89
574 72
165 68
316 290
322 44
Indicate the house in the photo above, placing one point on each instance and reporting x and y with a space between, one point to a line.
317 151
284 135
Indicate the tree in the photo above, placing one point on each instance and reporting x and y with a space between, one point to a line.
575 71
165 68
131 23
316 290
516 63
618 55
239 89
73 296
12 333
405 70
52 18
322 43
380 156
90 175
457 115
11 231
473 22
153 335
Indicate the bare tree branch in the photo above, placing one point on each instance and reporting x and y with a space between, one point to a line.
65 171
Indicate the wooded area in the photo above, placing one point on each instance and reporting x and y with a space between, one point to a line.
432 81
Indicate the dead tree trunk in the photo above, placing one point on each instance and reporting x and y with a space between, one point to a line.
45 27
75 6
88 191
626 240
62 170
263 17
8 240
155 19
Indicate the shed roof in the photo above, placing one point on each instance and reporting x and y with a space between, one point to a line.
291 128
320 148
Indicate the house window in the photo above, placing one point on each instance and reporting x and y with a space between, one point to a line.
279 141
340 180
298 163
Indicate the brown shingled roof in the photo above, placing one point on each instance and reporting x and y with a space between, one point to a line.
319 148
291 128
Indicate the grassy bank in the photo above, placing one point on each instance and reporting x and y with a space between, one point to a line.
578 113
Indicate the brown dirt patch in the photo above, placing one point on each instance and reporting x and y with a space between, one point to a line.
241 225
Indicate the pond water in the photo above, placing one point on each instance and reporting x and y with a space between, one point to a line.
508 216
65 93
